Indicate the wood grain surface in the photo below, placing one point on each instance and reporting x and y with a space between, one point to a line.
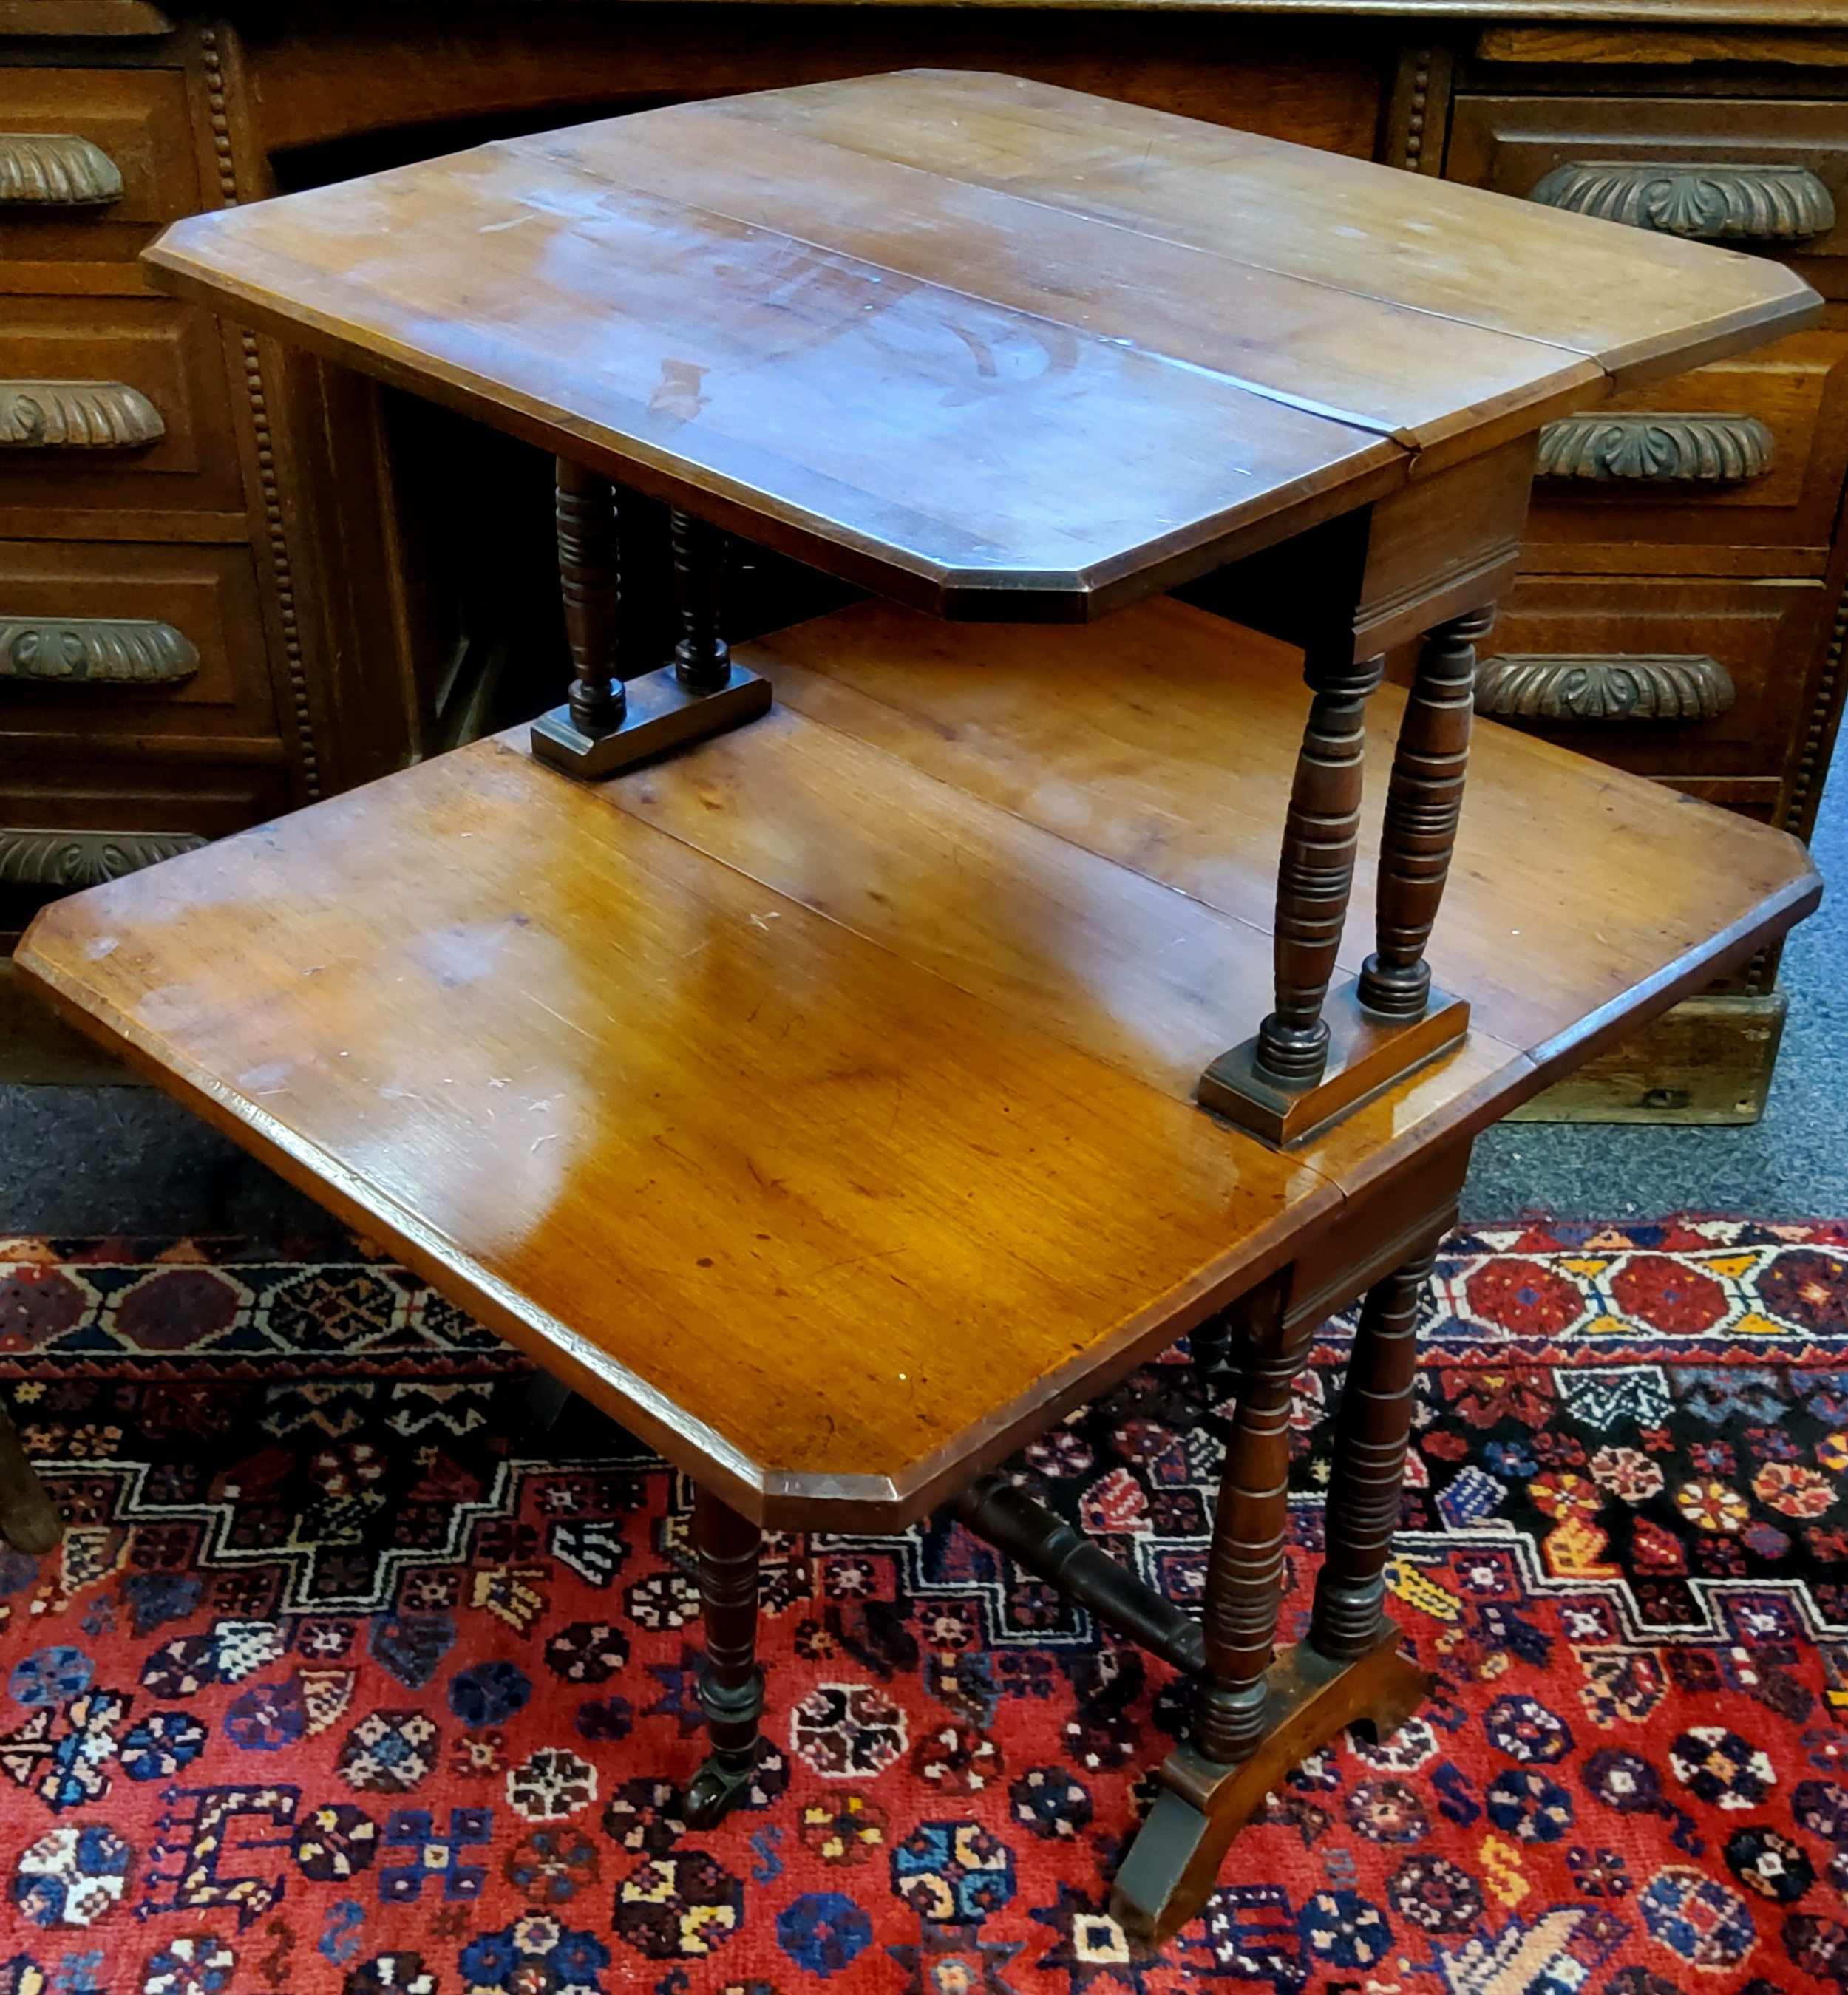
819 1099
991 346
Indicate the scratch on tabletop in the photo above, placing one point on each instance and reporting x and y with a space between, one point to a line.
559 1015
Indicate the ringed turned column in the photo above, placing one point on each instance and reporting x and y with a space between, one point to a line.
1315 873
1372 1427
608 723
590 580
731 1687
1251 1523
1424 802
702 658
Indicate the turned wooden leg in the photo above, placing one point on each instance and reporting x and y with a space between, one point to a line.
731 1688
590 577
1315 873
1210 1347
702 658
1258 1714
1262 1714
1320 1054
1244 1573
28 1519
1373 1426
1424 799
609 723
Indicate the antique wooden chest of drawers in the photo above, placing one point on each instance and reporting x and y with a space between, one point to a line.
1679 614
233 579
141 689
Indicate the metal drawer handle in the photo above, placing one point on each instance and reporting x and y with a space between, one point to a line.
1712 203
1662 449
113 651
74 859
56 169
1658 686
76 415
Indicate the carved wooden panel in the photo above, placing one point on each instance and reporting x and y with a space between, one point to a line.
1754 170
56 169
1696 676
115 409
1721 202
92 162
76 415
69 860
105 650
1666 449
142 643
1674 687
1746 453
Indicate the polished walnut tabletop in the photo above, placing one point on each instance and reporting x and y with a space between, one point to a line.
820 1100
991 347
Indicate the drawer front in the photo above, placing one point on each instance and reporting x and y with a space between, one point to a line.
114 405
92 162
158 647
1700 677
1748 451
1754 174
66 825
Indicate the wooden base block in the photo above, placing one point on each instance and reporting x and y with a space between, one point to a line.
1710 1060
1173 1864
1366 1054
662 715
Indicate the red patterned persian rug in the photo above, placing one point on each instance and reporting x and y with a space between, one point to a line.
334 1686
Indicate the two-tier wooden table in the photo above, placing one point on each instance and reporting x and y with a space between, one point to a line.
840 1091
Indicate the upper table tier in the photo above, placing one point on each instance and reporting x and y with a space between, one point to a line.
994 348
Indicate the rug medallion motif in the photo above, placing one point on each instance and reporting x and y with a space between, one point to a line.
342 1682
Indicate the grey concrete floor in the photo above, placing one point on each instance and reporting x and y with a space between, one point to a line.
123 1160
1792 1165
